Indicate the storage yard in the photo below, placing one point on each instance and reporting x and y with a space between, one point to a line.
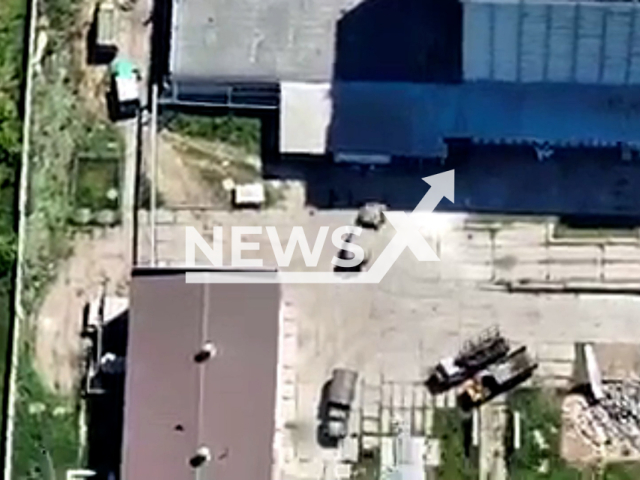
395 332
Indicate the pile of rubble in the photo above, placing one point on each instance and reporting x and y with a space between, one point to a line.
612 425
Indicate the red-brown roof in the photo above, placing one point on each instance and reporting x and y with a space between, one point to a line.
173 405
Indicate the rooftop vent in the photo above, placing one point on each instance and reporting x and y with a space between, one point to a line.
207 351
202 456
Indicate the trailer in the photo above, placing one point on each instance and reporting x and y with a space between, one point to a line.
105 18
504 375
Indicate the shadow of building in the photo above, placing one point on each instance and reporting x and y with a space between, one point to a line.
105 402
400 41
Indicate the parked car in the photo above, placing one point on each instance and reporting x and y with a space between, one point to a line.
371 215
341 392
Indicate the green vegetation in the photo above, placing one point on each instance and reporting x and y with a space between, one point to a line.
56 125
63 137
97 168
539 412
96 180
12 14
622 471
368 468
240 132
46 441
43 431
459 460
60 15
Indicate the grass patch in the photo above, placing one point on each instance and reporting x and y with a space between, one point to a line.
46 441
459 460
622 471
240 132
61 15
539 411
97 184
96 176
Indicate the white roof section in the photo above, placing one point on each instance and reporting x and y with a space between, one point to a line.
552 41
305 117
411 120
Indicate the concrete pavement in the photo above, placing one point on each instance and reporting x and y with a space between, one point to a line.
393 332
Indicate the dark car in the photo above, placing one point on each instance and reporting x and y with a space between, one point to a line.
349 255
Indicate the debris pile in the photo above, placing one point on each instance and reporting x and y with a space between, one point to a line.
611 426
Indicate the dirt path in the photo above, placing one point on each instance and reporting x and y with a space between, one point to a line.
57 346
177 182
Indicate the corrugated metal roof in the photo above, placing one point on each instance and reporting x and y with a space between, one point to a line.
411 120
174 404
552 41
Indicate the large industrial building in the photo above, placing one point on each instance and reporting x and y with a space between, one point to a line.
402 77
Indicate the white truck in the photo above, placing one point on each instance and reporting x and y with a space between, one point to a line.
125 89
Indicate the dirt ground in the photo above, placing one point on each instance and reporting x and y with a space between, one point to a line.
178 183
191 171
102 254
92 81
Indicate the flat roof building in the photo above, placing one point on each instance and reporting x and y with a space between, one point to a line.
201 379
400 78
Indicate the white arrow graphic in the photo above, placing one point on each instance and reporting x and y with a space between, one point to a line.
442 185
407 235
407 226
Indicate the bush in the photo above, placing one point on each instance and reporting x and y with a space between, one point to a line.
539 410
12 14
622 471
61 15
47 438
459 459
240 132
